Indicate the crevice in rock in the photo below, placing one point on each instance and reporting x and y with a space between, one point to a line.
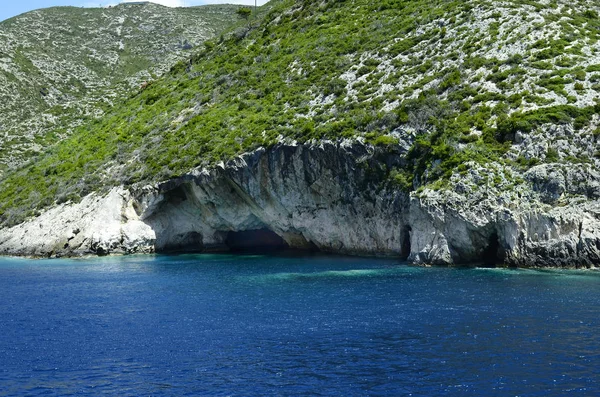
259 240
405 238
493 254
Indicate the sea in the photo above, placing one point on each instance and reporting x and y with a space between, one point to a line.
289 325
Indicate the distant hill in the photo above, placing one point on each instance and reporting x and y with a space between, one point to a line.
61 67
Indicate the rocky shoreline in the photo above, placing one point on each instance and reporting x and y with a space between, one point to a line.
328 197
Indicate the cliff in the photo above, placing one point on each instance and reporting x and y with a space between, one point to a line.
309 196
328 197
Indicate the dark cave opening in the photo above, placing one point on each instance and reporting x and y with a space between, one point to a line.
405 247
313 248
177 195
185 242
259 240
493 254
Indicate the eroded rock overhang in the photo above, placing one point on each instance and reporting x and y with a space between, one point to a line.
327 197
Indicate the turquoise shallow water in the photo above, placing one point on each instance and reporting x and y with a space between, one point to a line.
268 325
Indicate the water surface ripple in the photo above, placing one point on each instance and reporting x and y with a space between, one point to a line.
268 325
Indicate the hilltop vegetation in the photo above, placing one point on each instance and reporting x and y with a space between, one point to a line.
62 67
457 84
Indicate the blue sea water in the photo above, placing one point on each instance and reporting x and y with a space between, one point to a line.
224 325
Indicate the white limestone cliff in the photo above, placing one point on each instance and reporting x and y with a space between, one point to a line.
329 197
98 224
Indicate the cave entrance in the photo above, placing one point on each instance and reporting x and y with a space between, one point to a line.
405 247
184 242
493 255
259 240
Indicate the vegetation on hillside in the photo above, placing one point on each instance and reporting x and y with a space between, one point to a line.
61 67
457 80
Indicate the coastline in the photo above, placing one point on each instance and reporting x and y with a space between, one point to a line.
322 198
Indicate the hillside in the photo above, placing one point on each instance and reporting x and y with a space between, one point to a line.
62 67
474 115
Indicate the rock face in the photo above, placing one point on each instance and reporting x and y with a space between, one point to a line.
328 197
97 225
532 236
311 196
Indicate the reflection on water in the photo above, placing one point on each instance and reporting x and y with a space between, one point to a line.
318 325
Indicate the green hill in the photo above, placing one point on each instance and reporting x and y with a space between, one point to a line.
62 67
454 85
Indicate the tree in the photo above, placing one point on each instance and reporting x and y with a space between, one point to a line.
244 13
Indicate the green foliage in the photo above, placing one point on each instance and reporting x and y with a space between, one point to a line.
579 75
244 13
402 179
527 122
63 66
526 163
381 140
554 83
552 155
593 68
452 79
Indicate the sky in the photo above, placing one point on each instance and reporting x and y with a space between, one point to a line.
11 8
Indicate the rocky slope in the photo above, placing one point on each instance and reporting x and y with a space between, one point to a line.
442 132
62 66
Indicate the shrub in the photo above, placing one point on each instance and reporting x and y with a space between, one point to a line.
552 155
